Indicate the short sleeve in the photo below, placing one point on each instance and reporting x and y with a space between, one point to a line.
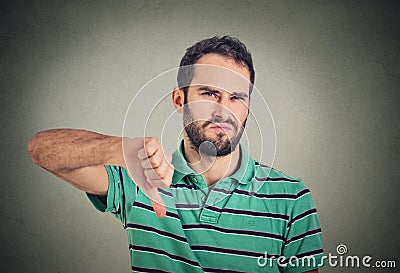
302 249
121 191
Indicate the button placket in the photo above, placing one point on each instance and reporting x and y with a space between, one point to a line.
217 200
198 182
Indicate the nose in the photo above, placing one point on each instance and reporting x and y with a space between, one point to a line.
222 109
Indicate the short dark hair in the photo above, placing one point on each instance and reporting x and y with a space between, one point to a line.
226 46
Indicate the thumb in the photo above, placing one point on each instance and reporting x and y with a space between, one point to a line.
156 201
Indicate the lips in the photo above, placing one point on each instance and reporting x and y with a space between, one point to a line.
221 126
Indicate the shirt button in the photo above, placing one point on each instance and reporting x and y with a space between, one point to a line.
203 199
194 179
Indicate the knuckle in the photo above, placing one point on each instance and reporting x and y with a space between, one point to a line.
167 182
148 150
155 161
151 182
147 173
150 174
152 140
167 179
161 175
144 163
161 167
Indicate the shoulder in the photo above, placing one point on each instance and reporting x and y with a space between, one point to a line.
278 182
288 193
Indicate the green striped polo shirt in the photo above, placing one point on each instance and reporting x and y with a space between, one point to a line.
257 220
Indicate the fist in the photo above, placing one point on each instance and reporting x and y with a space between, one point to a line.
149 167
156 164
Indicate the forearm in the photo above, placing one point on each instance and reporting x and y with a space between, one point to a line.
66 150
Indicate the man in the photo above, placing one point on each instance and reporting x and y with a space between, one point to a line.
216 209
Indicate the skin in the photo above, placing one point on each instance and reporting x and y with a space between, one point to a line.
211 101
79 156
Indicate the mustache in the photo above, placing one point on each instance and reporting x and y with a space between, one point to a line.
220 120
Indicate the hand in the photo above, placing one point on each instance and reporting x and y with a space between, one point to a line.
150 168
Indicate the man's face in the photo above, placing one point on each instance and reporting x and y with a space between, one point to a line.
217 105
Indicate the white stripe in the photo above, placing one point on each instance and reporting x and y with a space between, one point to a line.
205 229
147 251
304 237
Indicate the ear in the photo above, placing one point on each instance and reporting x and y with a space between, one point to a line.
178 99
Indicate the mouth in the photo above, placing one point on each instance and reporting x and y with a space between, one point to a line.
221 127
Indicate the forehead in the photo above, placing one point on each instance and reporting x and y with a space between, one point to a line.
221 72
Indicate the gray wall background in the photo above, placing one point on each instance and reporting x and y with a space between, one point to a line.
330 71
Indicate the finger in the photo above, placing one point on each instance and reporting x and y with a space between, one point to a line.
156 201
147 152
166 181
154 161
151 145
146 164
162 183
151 174
165 176
160 169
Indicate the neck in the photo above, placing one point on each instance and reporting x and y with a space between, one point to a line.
211 168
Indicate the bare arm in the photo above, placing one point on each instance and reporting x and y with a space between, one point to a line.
77 156
66 150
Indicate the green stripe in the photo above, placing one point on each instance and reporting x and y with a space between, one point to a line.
220 226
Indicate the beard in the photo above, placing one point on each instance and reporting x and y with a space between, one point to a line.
220 146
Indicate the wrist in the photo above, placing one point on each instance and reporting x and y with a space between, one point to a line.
117 154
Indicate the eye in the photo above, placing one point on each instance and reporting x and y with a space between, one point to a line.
209 94
236 98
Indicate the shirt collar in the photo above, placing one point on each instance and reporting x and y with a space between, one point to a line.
243 175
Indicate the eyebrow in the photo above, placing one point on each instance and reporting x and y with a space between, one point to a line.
209 89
